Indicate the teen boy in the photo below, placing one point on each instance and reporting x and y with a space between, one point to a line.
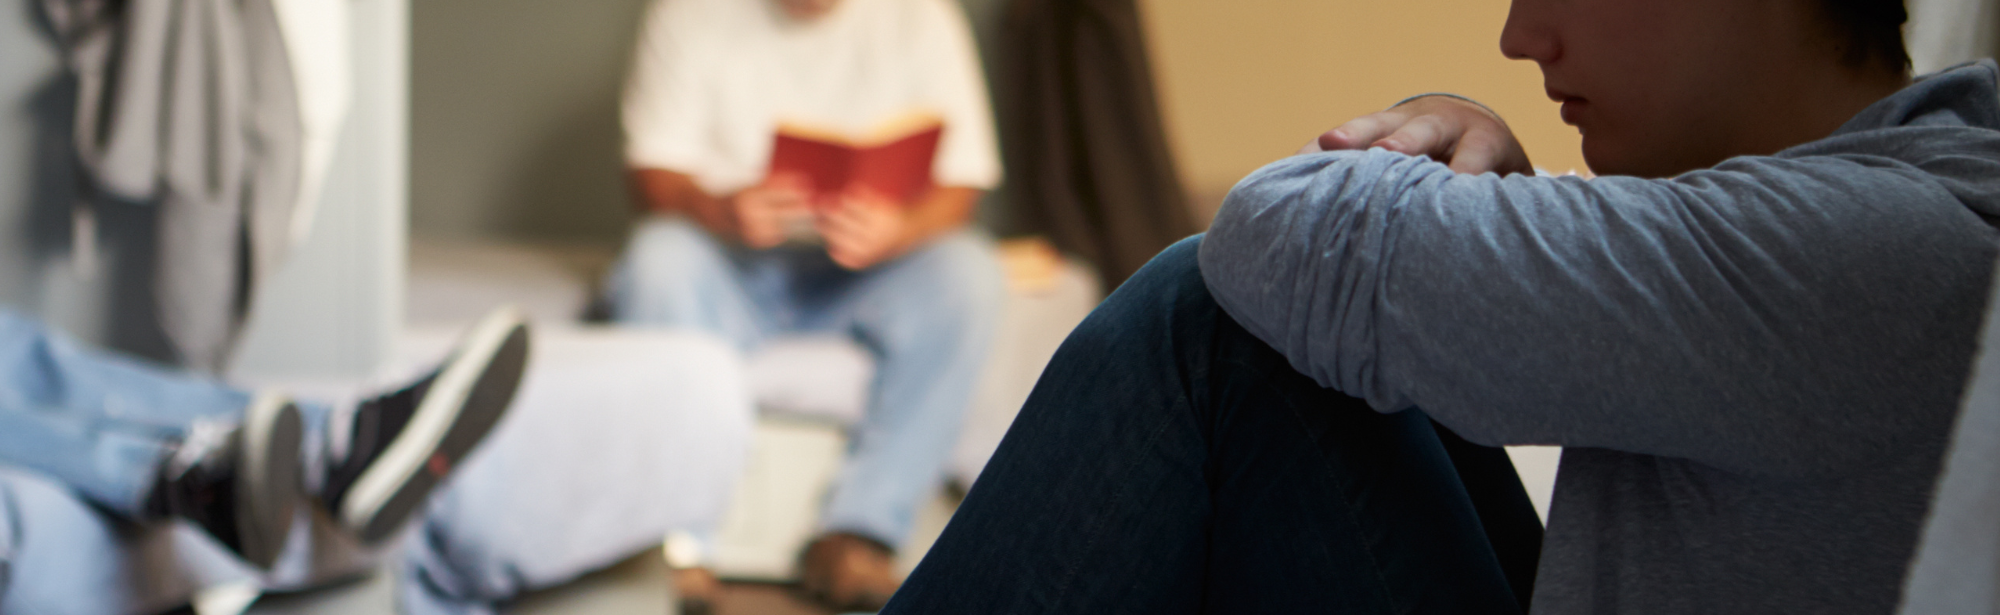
1749 332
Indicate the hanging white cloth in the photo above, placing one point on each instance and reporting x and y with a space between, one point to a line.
318 39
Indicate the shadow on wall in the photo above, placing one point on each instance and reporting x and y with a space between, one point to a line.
514 119
571 186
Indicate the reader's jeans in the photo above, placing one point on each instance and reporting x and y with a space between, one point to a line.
927 317
1169 462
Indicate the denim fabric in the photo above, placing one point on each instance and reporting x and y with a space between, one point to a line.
1169 462
96 422
928 317
9 526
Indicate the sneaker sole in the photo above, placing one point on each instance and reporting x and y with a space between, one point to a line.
468 397
267 490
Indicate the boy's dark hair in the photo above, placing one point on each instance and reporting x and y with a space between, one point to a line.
1870 32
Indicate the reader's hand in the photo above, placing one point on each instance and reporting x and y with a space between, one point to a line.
864 229
760 215
1462 134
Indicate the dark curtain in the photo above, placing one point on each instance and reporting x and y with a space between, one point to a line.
1087 159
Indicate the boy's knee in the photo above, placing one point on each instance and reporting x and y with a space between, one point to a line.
670 237
1172 270
663 250
1182 256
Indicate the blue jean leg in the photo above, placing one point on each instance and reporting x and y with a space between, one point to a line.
9 528
1169 462
97 422
673 274
928 317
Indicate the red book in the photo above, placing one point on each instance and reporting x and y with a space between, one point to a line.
894 161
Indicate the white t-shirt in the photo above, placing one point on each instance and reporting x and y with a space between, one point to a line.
713 79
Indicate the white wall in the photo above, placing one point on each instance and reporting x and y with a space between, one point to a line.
332 311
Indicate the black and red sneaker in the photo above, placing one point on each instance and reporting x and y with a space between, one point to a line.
239 483
406 441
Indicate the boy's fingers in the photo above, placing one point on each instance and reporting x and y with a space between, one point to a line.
1474 160
1424 135
1361 132
1481 152
832 228
844 227
842 217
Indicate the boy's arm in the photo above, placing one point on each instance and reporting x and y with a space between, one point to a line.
943 210
1771 315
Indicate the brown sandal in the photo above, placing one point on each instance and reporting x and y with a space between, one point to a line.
696 589
848 572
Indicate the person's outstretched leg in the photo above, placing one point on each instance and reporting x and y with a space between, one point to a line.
147 443
405 442
1169 462
674 274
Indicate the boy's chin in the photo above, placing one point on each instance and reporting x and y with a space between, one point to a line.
1610 157
1653 156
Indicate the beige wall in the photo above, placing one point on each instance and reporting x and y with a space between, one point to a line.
514 102
514 119
1245 82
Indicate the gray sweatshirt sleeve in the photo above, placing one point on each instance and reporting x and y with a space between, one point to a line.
1771 315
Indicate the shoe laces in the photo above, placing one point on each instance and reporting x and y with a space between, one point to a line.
204 438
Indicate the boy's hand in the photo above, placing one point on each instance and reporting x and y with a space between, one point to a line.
1459 133
760 215
864 229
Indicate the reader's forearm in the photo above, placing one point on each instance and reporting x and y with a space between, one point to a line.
664 191
943 210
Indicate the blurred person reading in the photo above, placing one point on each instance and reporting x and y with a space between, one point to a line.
813 165
1750 332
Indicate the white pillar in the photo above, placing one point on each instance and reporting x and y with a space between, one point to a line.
332 312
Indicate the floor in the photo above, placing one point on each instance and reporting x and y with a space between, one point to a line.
634 586
638 585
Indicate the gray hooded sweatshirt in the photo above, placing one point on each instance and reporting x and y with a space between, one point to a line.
1754 367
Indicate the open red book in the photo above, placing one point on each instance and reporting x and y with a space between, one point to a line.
893 160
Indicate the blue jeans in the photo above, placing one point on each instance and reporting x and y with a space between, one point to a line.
7 531
97 422
1169 462
928 318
